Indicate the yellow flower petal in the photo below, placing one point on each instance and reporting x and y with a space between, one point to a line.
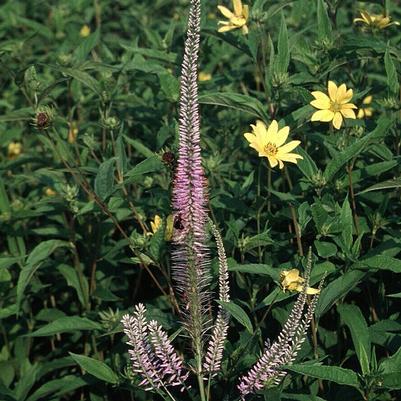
347 96
312 291
227 28
348 113
332 88
341 91
368 112
237 4
245 30
361 113
348 106
250 137
366 17
273 161
309 290
287 147
337 120
245 12
368 99
226 12
322 115
282 135
291 158
272 131
321 104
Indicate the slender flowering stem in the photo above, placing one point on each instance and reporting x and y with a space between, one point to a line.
190 256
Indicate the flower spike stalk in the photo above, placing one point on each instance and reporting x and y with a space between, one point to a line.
191 256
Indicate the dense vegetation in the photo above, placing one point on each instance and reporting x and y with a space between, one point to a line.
88 125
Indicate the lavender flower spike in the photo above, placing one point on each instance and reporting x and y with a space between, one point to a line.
190 256
143 362
269 369
152 355
170 363
215 347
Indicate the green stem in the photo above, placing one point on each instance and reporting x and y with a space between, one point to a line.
201 386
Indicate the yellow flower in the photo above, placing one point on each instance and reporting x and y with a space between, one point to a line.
366 111
205 76
72 132
85 31
14 150
50 191
236 19
156 223
269 142
375 21
291 280
334 107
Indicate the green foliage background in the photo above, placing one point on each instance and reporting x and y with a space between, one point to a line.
74 213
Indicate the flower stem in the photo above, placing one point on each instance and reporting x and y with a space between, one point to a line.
352 195
294 217
201 385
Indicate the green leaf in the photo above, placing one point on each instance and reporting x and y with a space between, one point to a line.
140 147
331 373
394 183
71 276
391 371
83 77
150 165
238 314
68 324
325 249
86 46
238 102
24 114
338 289
121 156
170 86
261 269
324 29
379 262
8 311
353 318
392 76
95 368
307 165
58 387
347 224
340 159
39 254
104 181
283 51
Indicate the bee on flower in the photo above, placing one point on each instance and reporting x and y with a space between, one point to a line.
290 280
270 142
335 106
366 110
375 21
237 19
